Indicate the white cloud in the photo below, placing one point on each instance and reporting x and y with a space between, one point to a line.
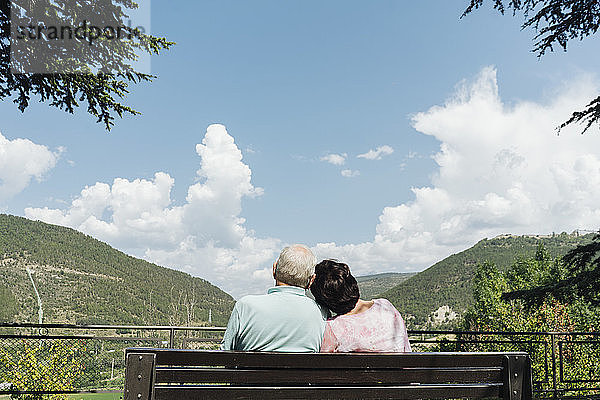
205 236
348 173
378 153
502 169
335 159
21 160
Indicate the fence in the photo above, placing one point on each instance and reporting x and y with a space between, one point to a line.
565 364
57 358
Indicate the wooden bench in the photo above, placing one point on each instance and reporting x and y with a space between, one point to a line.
162 374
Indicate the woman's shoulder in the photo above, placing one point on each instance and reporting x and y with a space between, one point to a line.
383 303
386 306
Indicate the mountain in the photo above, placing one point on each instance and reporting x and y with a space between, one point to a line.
83 280
372 285
445 287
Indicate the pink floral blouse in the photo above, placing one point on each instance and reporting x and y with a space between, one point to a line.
378 329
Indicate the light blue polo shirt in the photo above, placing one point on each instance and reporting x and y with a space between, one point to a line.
284 319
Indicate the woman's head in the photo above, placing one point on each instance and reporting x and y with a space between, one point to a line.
334 286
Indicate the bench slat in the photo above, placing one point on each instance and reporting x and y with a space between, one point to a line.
335 360
337 392
161 374
327 377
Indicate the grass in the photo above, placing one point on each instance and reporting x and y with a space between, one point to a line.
86 396
96 396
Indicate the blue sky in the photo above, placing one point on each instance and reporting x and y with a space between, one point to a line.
294 82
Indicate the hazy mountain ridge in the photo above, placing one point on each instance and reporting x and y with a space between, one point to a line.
83 280
448 282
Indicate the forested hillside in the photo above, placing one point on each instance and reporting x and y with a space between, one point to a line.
448 282
82 280
372 285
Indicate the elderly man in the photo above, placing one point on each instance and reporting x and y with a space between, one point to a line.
284 319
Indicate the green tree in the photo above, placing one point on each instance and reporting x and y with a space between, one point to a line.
96 75
9 305
579 278
493 312
556 22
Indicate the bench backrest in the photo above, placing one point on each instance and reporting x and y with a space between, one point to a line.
161 374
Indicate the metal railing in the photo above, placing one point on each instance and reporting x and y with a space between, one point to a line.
565 364
62 358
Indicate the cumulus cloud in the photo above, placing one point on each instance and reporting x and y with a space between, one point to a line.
335 159
378 153
206 236
21 160
502 169
348 173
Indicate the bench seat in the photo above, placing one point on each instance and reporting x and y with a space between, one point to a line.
163 374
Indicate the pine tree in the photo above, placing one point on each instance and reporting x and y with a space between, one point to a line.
97 76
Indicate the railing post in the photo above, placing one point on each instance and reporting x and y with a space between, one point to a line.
172 338
552 341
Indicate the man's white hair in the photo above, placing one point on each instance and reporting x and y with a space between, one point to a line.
295 265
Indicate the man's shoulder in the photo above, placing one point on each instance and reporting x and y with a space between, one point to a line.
270 300
250 299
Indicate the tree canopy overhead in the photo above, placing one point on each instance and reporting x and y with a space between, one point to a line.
73 73
556 22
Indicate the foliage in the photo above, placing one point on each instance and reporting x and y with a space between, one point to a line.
49 366
9 305
371 285
87 80
449 282
580 278
490 312
82 280
556 22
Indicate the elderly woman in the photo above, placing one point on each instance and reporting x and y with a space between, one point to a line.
360 326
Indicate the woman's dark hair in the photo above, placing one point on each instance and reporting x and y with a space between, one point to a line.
334 286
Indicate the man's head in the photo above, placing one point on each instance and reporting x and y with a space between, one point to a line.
295 266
